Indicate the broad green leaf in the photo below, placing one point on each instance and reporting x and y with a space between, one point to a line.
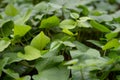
114 43
31 53
55 45
74 15
10 10
6 29
11 73
3 62
12 57
49 62
50 74
98 26
41 7
24 78
111 35
95 64
50 22
21 29
40 41
90 53
103 18
80 46
68 24
4 43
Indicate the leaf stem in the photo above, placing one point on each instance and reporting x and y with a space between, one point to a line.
82 76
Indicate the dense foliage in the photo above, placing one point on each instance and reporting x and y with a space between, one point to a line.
59 40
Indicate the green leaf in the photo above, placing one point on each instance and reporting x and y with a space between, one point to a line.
55 45
111 35
74 15
6 29
11 73
71 62
12 57
90 53
68 24
98 26
67 32
68 43
114 43
83 22
24 78
97 43
85 10
25 17
3 62
31 53
49 62
40 41
80 46
41 7
50 22
4 43
103 18
21 29
50 74
10 10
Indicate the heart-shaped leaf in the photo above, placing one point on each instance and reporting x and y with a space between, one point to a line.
31 53
40 41
114 43
4 43
68 24
21 29
50 22
11 10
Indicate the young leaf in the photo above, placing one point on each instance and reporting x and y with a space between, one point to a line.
40 41
111 35
114 43
68 24
21 29
10 10
4 43
31 53
67 32
98 26
74 15
50 22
